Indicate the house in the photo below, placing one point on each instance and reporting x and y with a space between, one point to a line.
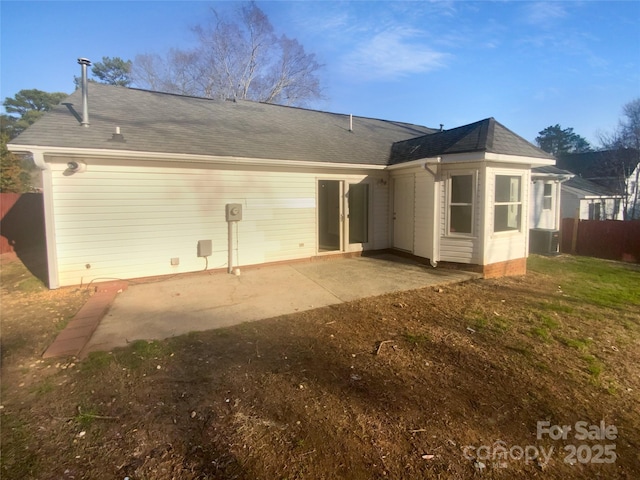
139 183
617 171
546 188
587 200
545 219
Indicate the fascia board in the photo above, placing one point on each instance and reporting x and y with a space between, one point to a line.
583 194
184 158
533 161
551 176
602 197
475 157
415 163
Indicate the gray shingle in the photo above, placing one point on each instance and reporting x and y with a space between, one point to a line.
607 168
166 123
160 122
483 136
588 188
551 170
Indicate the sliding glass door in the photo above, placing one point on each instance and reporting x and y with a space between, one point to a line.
343 215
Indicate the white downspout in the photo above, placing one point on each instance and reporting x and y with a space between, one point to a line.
49 222
435 240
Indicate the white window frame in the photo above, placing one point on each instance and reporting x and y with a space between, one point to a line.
517 203
547 199
462 173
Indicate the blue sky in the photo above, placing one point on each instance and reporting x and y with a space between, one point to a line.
528 64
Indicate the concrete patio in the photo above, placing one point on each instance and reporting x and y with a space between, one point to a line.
170 307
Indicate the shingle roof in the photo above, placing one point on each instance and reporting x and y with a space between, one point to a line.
604 167
484 136
601 164
551 170
588 188
166 123
160 122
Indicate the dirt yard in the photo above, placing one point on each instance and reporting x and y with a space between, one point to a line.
450 384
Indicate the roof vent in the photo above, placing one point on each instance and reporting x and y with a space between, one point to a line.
117 136
85 62
441 126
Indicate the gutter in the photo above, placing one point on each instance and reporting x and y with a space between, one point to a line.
84 153
551 176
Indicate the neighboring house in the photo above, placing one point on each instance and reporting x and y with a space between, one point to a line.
587 200
618 171
544 208
154 177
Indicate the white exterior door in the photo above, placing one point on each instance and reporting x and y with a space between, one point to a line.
403 198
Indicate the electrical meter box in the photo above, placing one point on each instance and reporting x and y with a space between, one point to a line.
234 212
204 248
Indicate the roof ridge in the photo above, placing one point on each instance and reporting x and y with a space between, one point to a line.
256 102
489 133
521 137
163 122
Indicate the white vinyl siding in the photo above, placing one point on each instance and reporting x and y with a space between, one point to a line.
129 221
423 234
544 208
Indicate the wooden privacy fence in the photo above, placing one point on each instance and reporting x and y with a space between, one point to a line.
21 221
611 239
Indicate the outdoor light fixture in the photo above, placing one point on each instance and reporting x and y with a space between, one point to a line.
76 167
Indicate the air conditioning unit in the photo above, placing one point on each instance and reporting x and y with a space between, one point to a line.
544 241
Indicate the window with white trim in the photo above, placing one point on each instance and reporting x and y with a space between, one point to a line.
546 198
594 211
508 203
461 189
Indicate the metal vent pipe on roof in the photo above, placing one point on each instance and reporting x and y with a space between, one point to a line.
85 62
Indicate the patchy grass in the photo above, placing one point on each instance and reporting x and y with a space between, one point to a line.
417 339
581 280
577 343
594 366
15 277
96 362
85 417
541 333
362 390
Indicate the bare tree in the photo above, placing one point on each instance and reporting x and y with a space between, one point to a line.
623 155
239 58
